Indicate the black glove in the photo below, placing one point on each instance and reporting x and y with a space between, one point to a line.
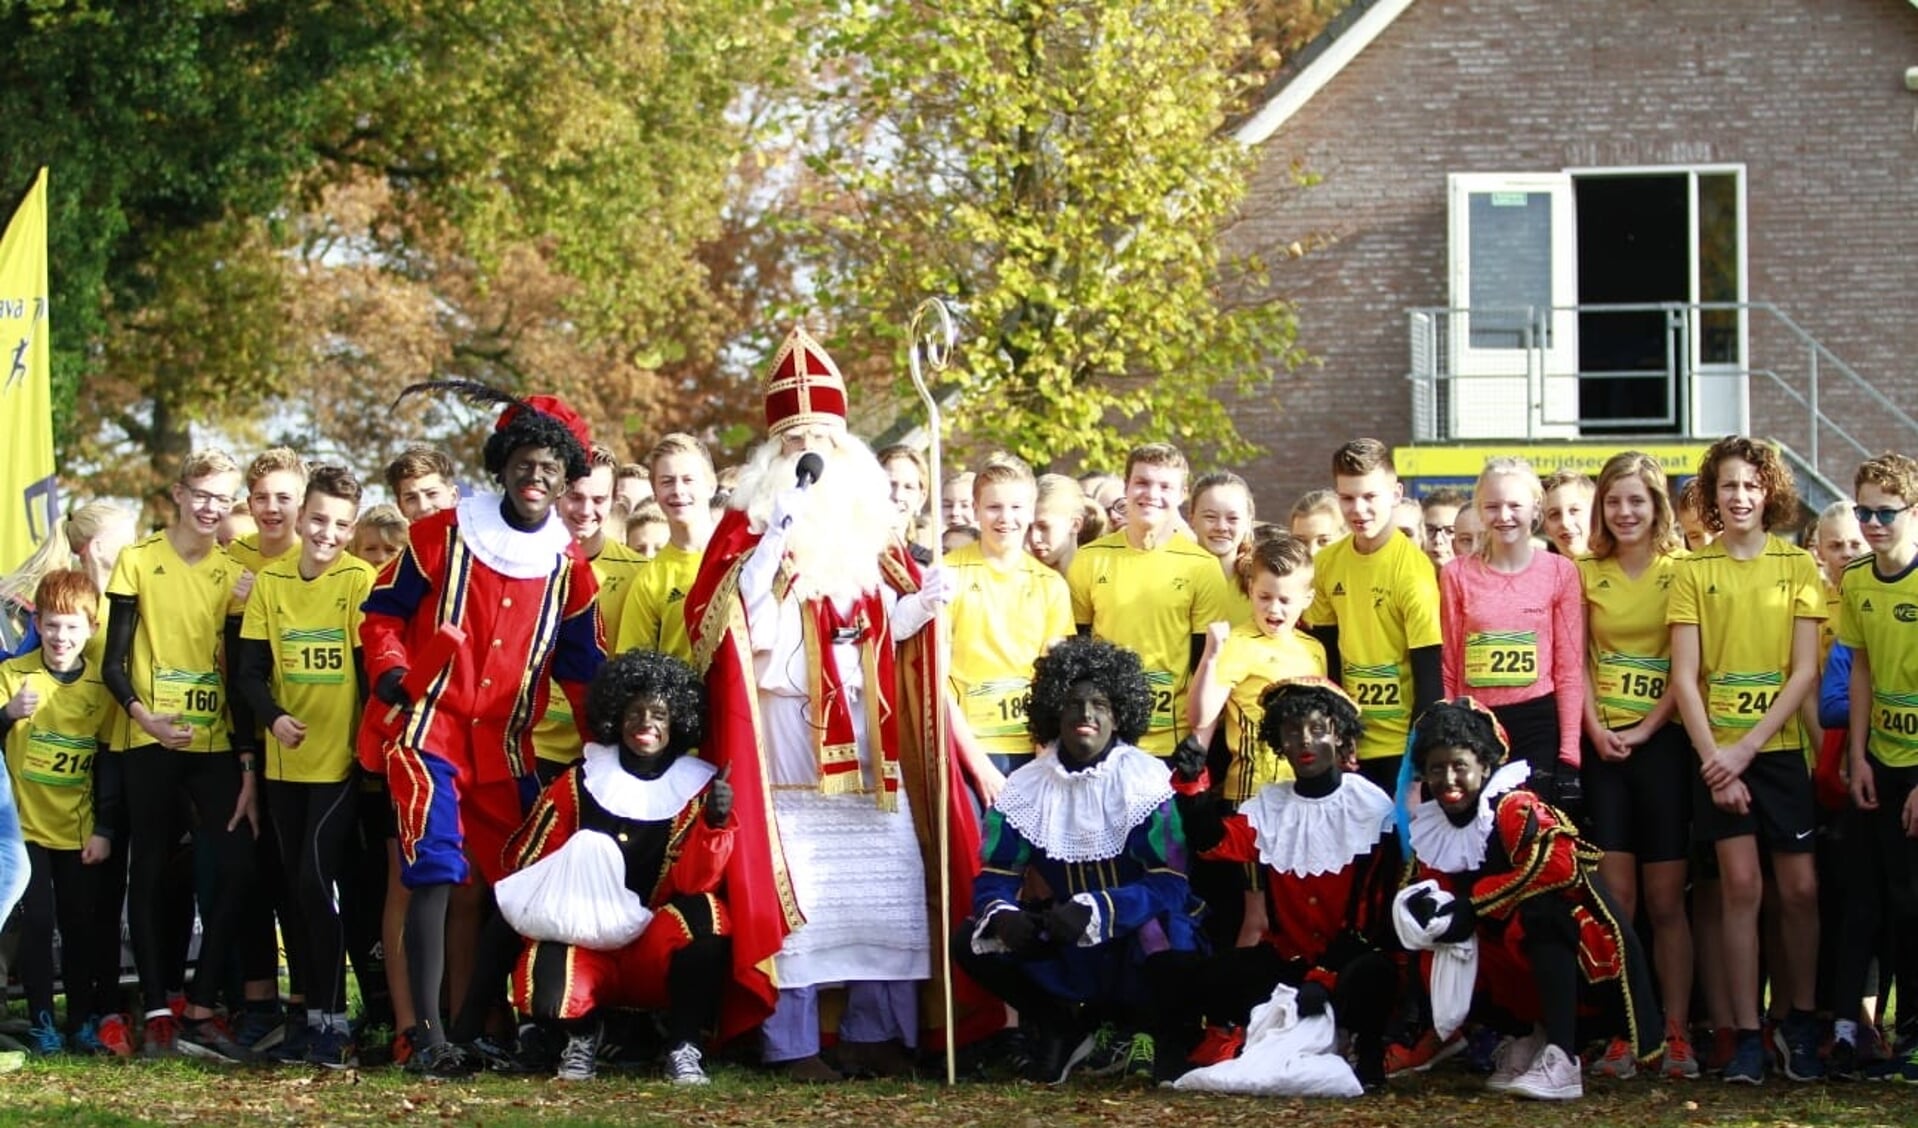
389 689
1464 921
1188 759
1066 922
1313 999
1344 948
719 803
1017 929
1423 907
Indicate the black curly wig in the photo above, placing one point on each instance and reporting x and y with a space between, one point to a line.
638 673
1114 669
1295 701
1458 723
531 428
528 427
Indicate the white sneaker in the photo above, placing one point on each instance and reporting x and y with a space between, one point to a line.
683 1065
1553 1077
1513 1058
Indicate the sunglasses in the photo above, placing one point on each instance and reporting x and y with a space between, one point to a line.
1883 514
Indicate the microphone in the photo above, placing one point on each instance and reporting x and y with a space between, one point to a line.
808 470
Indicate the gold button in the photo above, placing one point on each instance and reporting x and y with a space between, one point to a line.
622 836
484 682
507 602
496 644
1311 900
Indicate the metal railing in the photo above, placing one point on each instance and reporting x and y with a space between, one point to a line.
1513 373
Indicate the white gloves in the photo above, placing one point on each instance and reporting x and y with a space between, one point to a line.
911 614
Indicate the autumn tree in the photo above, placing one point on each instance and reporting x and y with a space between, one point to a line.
1057 169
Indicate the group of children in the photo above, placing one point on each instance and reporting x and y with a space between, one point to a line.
1527 732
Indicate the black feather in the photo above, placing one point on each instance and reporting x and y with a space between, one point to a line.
471 391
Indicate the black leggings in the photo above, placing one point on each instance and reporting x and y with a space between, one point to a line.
315 823
58 886
1880 874
156 777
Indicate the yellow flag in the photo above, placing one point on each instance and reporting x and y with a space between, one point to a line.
26 396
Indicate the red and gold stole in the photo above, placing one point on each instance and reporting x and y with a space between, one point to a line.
834 739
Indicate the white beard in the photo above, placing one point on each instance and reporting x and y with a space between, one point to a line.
835 548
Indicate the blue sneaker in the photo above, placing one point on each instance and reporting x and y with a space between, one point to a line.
331 1049
86 1040
43 1037
292 1047
1747 1066
1797 1041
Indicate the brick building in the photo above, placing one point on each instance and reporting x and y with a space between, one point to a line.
1747 169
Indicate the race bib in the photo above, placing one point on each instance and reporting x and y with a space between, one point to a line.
1894 716
196 697
315 657
1377 691
1739 700
1628 683
997 708
58 760
1501 658
1161 683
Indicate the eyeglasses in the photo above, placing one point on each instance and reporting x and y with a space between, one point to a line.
200 499
1434 532
1883 514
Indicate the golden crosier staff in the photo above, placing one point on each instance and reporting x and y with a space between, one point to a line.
931 335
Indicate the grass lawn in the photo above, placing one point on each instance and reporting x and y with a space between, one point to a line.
89 1092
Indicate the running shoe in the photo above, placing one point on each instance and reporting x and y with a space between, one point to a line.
1553 1077
116 1034
1617 1062
683 1066
1747 1066
160 1038
1421 1055
44 1037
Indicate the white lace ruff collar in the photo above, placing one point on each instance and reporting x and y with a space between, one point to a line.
1084 816
506 550
1305 836
1448 848
643 800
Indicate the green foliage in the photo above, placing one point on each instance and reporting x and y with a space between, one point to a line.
1057 168
156 119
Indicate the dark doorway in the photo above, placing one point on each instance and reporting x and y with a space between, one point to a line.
1633 240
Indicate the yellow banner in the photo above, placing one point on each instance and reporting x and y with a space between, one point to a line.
26 394
1679 460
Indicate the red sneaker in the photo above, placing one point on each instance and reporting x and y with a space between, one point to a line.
1422 1055
157 1040
403 1047
116 1034
1221 1043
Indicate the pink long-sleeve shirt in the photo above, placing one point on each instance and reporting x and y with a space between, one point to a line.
1530 632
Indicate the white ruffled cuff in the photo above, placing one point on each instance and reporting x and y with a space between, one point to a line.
1095 924
984 943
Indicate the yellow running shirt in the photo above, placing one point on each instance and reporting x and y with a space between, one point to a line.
556 737
176 665
312 627
1629 652
1151 602
1745 611
50 754
1881 622
1385 605
655 615
1002 620
1250 662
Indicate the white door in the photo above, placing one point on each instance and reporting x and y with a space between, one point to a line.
1514 333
